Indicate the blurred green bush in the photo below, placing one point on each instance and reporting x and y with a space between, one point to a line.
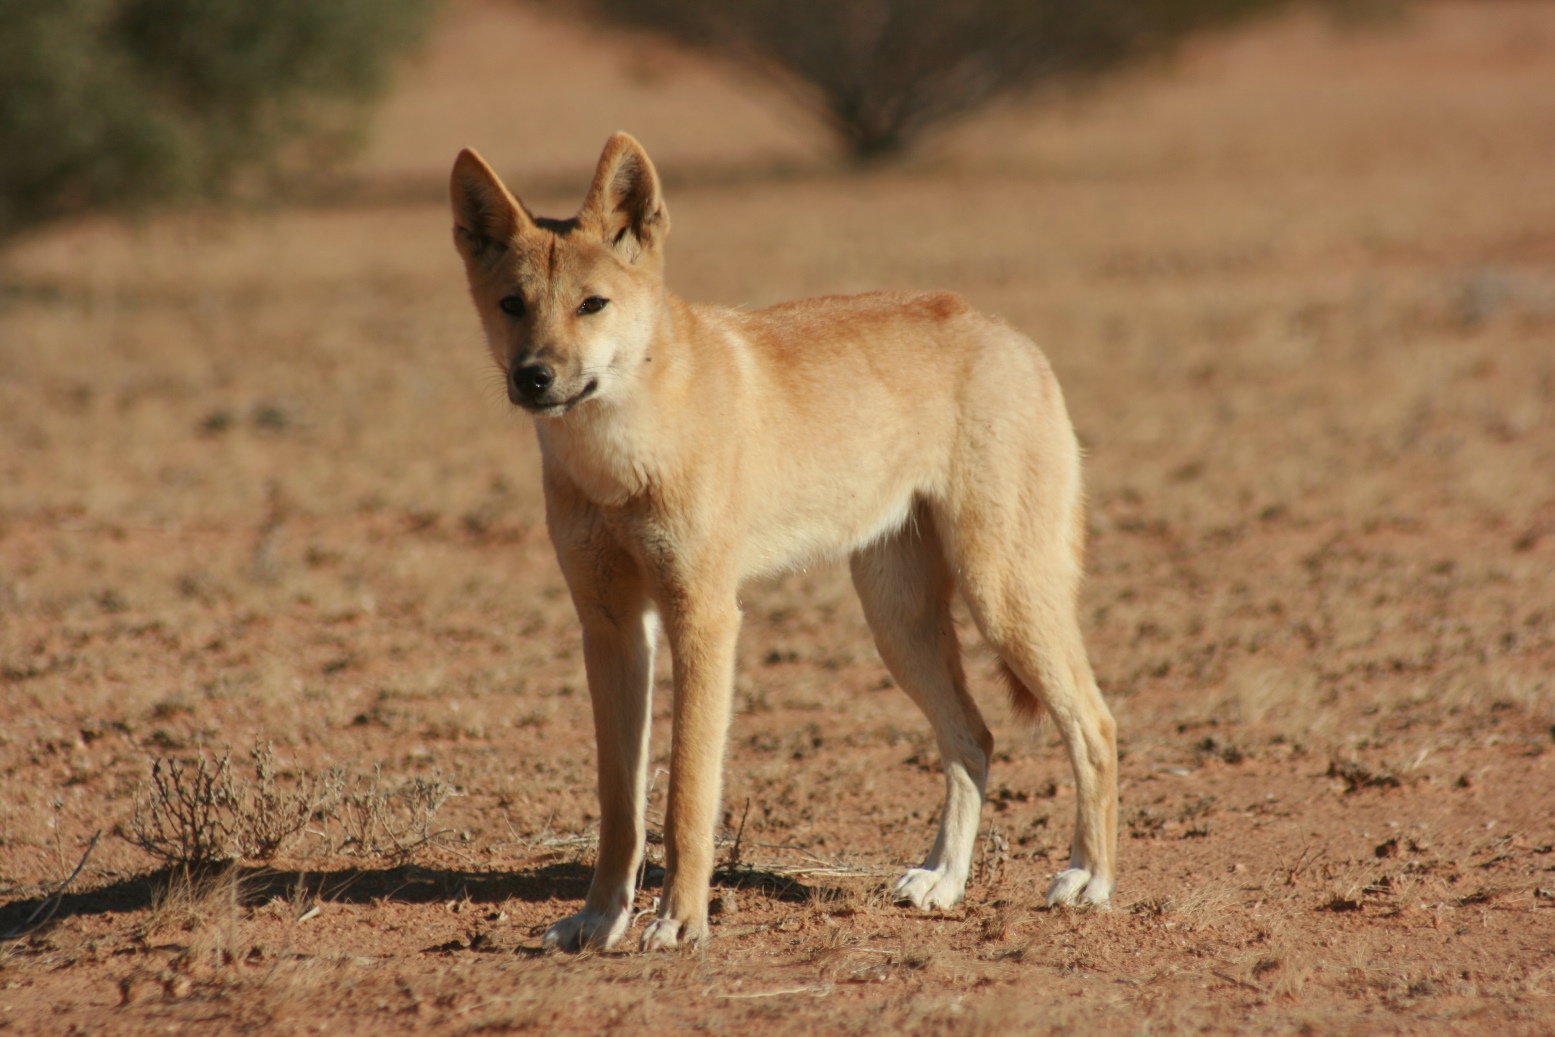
116 104
880 72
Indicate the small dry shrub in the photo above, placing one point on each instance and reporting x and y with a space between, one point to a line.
194 813
180 814
384 818
201 811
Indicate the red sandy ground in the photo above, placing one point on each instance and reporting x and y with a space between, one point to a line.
258 482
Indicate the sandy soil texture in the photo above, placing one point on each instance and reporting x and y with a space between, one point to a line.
259 484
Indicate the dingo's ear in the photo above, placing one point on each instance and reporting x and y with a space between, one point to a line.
486 216
624 205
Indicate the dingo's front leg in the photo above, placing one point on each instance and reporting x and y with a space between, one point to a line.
619 633
702 636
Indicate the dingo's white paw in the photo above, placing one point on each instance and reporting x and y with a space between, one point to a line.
587 930
662 934
930 889
1077 887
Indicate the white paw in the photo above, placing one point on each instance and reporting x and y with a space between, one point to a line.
1076 887
587 930
662 934
930 889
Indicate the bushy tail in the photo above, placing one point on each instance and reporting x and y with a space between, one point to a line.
1023 700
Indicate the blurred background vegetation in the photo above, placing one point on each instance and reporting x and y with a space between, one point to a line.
881 72
117 104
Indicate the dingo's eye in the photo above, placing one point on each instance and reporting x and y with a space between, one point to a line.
593 304
512 305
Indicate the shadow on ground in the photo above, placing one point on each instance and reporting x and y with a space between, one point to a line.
407 884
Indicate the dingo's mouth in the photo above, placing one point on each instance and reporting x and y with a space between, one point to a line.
556 410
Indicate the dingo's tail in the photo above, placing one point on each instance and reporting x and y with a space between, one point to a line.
1023 700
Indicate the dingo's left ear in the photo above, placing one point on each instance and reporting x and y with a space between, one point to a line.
486 216
624 205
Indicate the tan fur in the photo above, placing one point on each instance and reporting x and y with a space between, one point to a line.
689 448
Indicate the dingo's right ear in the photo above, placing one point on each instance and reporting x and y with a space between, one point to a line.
486 216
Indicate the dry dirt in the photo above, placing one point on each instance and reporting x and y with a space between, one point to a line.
258 483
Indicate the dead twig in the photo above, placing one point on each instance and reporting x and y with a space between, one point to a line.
732 861
815 991
54 899
1255 988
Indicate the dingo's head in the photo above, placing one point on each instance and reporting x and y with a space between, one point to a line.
570 306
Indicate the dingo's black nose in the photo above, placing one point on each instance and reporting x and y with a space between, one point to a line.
530 381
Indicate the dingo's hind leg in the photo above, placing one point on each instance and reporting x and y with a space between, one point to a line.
1052 665
1019 574
905 586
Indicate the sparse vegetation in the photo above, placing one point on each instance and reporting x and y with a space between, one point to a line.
183 815
196 812
115 104
388 817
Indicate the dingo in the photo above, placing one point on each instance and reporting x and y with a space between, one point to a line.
687 448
